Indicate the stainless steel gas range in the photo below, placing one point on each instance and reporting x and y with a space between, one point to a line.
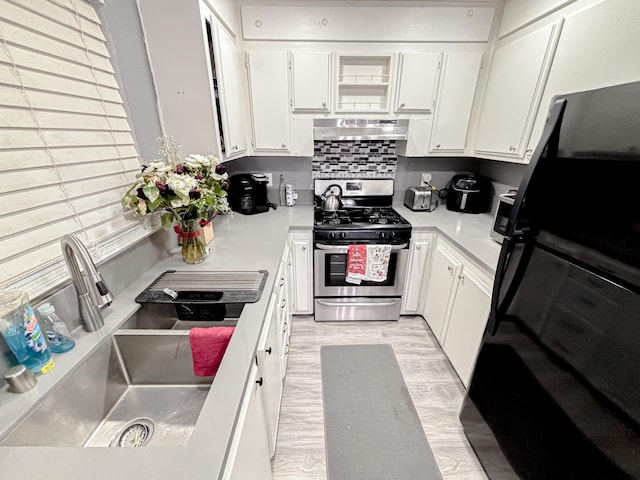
364 217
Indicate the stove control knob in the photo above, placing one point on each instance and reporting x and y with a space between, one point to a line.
382 235
392 234
343 235
332 235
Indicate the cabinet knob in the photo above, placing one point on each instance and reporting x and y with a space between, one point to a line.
437 145
268 350
512 148
460 277
324 104
450 268
259 382
304 247
402 105
417 247
284 145
235 147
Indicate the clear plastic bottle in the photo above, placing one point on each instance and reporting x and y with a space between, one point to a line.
55 330
283 192
20 329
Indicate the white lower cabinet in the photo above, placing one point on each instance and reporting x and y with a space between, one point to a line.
445 268
417 270
467 321
301 244
249 453
282 311
457 306
270 370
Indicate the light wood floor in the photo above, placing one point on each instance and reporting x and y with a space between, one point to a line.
434 387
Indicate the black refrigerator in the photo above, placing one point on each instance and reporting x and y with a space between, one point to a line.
555 392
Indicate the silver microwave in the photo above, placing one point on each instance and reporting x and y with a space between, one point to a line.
501 217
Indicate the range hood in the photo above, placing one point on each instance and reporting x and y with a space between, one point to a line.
359 129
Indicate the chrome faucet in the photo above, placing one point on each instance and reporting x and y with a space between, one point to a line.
93 293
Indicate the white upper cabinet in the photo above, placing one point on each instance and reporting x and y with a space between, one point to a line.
518 74
269 100
310 81
456 91
231 93
417 81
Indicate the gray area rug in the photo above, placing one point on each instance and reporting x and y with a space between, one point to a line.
372 428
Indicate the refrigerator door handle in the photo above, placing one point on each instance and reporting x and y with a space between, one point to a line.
507 247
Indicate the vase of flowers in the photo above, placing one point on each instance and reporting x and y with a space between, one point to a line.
186 191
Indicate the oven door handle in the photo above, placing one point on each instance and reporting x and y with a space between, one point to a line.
323 246
356 304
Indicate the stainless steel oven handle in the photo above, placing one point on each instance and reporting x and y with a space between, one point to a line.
322 246
357 304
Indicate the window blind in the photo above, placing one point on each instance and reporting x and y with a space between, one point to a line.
67 154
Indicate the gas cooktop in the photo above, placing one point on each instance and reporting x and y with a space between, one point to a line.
371 217
365 214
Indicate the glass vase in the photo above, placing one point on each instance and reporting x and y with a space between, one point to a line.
193 248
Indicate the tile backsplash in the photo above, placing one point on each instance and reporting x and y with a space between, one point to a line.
354 159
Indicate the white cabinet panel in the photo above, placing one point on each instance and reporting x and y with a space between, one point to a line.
456 92
457 306
412 298
249 451
270 370
269 100
518 73
302 273
231 86
417 80
467 323
310 74
445 268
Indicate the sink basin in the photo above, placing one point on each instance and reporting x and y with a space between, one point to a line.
136 389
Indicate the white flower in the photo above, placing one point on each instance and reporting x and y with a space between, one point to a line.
182 184
197 161
217 176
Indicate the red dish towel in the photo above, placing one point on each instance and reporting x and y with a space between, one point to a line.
356 263
207 348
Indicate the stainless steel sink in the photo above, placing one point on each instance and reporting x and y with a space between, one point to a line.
136 389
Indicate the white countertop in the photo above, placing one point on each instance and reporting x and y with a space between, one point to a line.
241 243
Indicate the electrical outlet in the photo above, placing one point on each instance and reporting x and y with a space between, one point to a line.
426 178
270 178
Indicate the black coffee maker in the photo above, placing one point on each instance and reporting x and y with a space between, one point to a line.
248 193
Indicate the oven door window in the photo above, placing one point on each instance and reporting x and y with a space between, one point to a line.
336 271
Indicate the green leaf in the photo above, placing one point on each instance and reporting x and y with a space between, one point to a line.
155 204
151 192
166 220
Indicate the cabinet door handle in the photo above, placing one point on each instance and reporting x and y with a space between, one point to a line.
461 277
284 302
281 281
259 382
450 268
268 350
